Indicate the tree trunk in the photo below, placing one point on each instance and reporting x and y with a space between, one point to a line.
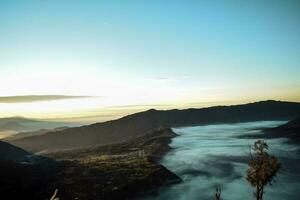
257 192
261 192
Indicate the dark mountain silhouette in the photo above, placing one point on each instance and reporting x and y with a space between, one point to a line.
24 175
9 152
139 124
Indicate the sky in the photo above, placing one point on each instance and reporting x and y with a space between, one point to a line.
85 58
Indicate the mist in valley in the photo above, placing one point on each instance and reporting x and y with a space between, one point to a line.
206 157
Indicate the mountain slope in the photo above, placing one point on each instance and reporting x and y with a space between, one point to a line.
139 124
289 130
113 172
291 125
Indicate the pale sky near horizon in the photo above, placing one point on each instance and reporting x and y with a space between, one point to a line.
122 56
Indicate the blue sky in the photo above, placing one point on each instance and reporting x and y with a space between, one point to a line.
156 52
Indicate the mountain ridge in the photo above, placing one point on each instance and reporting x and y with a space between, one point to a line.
138 124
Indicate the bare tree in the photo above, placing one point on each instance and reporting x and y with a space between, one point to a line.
218 193
262 168
54 195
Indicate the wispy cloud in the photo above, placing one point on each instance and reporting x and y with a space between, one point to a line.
169 79
163 79
141 106
36 98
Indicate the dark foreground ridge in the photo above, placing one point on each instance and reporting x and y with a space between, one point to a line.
139 124
111 172
23 175
9 152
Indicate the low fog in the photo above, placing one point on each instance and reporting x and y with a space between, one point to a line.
209 156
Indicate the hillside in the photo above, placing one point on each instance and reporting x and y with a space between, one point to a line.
290 130
291 125
112 172
139 124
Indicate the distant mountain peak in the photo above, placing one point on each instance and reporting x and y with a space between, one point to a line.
152 110
11 125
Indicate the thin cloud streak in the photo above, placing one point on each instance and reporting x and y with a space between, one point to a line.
141 106
37 98
163 79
